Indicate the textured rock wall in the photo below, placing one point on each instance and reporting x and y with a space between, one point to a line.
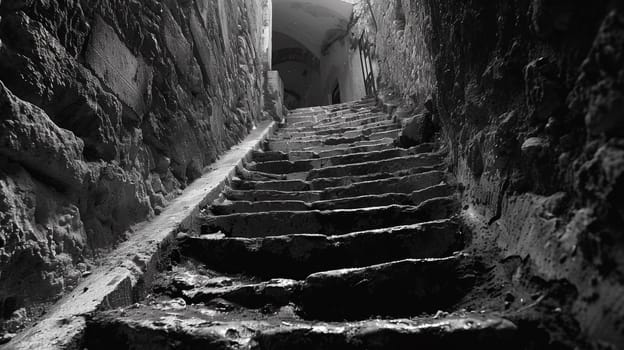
529 96
108 109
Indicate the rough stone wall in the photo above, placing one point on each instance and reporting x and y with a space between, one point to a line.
529 95
108 108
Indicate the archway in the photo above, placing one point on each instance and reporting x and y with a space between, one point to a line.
312 51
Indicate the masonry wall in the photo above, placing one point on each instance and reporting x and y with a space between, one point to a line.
529 98
341 63
108 109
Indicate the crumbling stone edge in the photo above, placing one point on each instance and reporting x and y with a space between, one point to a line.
124 275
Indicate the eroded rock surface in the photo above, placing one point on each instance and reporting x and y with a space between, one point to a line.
528 98
107 110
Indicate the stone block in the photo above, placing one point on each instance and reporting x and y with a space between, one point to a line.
127 75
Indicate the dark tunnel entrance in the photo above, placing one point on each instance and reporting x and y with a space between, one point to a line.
313 53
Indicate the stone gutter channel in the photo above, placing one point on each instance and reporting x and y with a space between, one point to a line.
127 272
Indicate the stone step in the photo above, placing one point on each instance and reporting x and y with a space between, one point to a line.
382 166
354 111
318 146
285 166
328 116
335 112
334 222
275 185
275 292
356 121
162 326
328 148
243 173
295 132
316 125
404 184
270 195
197 286
297 256
338 151
424 148
397 289
268 156
392 134
325 183
414 198
235 207
349 135
344 181
450 333
335 132
289 166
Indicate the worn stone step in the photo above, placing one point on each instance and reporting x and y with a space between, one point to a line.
449 333
329 124
414 198
268 156
321 120
320 146
271 156
359 116
404 184
339 151
297 256
350 132
328 148
297 176
285 166
392 134
329 115
270 195
294 133
290 166
165 326
368 156
332 112
344 181
354 114
243 173
235 207
374 200
288 146
198 285
275 185
359 122
333 222
324 183
396 289
302 155
424 148
387 165
275 292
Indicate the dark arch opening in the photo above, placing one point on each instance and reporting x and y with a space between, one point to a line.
300 71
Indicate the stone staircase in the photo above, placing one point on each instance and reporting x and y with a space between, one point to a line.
331 238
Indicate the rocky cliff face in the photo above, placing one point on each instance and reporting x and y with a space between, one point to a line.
529 98
107 110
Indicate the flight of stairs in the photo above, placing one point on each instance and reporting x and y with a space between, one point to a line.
331 238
